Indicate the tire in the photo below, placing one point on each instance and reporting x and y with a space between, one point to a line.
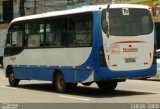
107 86
2 65
12 81
60 84
1 62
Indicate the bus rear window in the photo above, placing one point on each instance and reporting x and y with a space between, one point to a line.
130 23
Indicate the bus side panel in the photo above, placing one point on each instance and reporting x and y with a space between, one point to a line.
83 75
33 73
97 39
76 75
97 43
71 75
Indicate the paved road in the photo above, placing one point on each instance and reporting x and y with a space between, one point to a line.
131 91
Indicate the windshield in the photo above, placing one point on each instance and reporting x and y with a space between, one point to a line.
129 22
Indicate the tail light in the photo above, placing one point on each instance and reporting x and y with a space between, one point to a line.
102 57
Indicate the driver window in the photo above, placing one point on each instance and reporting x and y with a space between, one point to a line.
15 39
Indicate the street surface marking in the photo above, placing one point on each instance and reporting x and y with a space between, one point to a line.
148 91
71 97
8 87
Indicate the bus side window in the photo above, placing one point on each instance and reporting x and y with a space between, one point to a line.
50 35
80 30
34 34
14 39
54 30
18 38
33 41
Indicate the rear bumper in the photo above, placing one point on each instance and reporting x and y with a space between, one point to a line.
104 73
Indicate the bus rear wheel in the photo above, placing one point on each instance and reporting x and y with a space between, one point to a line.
60 84
107 86
12 81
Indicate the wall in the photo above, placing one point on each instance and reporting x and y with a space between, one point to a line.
41 6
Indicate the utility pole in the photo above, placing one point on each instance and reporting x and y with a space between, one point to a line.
35 7
21 7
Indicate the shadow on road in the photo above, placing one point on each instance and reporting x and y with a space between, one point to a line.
156 80
83 91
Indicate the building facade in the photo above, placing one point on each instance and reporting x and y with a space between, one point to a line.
78 3
41 6
10 9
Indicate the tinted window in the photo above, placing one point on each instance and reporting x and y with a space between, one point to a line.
56 32
133 22
69 31
15 35
14 39
34 34
80 30
104 21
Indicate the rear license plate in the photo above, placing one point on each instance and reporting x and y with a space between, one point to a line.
130 60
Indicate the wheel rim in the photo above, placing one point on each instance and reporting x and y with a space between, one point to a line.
11 77
60 82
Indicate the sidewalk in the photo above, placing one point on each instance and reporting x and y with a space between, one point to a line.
2 74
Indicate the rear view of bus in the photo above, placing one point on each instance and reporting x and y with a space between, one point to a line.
128 41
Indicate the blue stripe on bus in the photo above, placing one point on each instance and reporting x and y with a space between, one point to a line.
78 75
71 74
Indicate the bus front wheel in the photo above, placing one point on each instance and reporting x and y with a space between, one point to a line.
107 85
12 81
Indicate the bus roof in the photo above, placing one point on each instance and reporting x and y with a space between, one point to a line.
82 9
